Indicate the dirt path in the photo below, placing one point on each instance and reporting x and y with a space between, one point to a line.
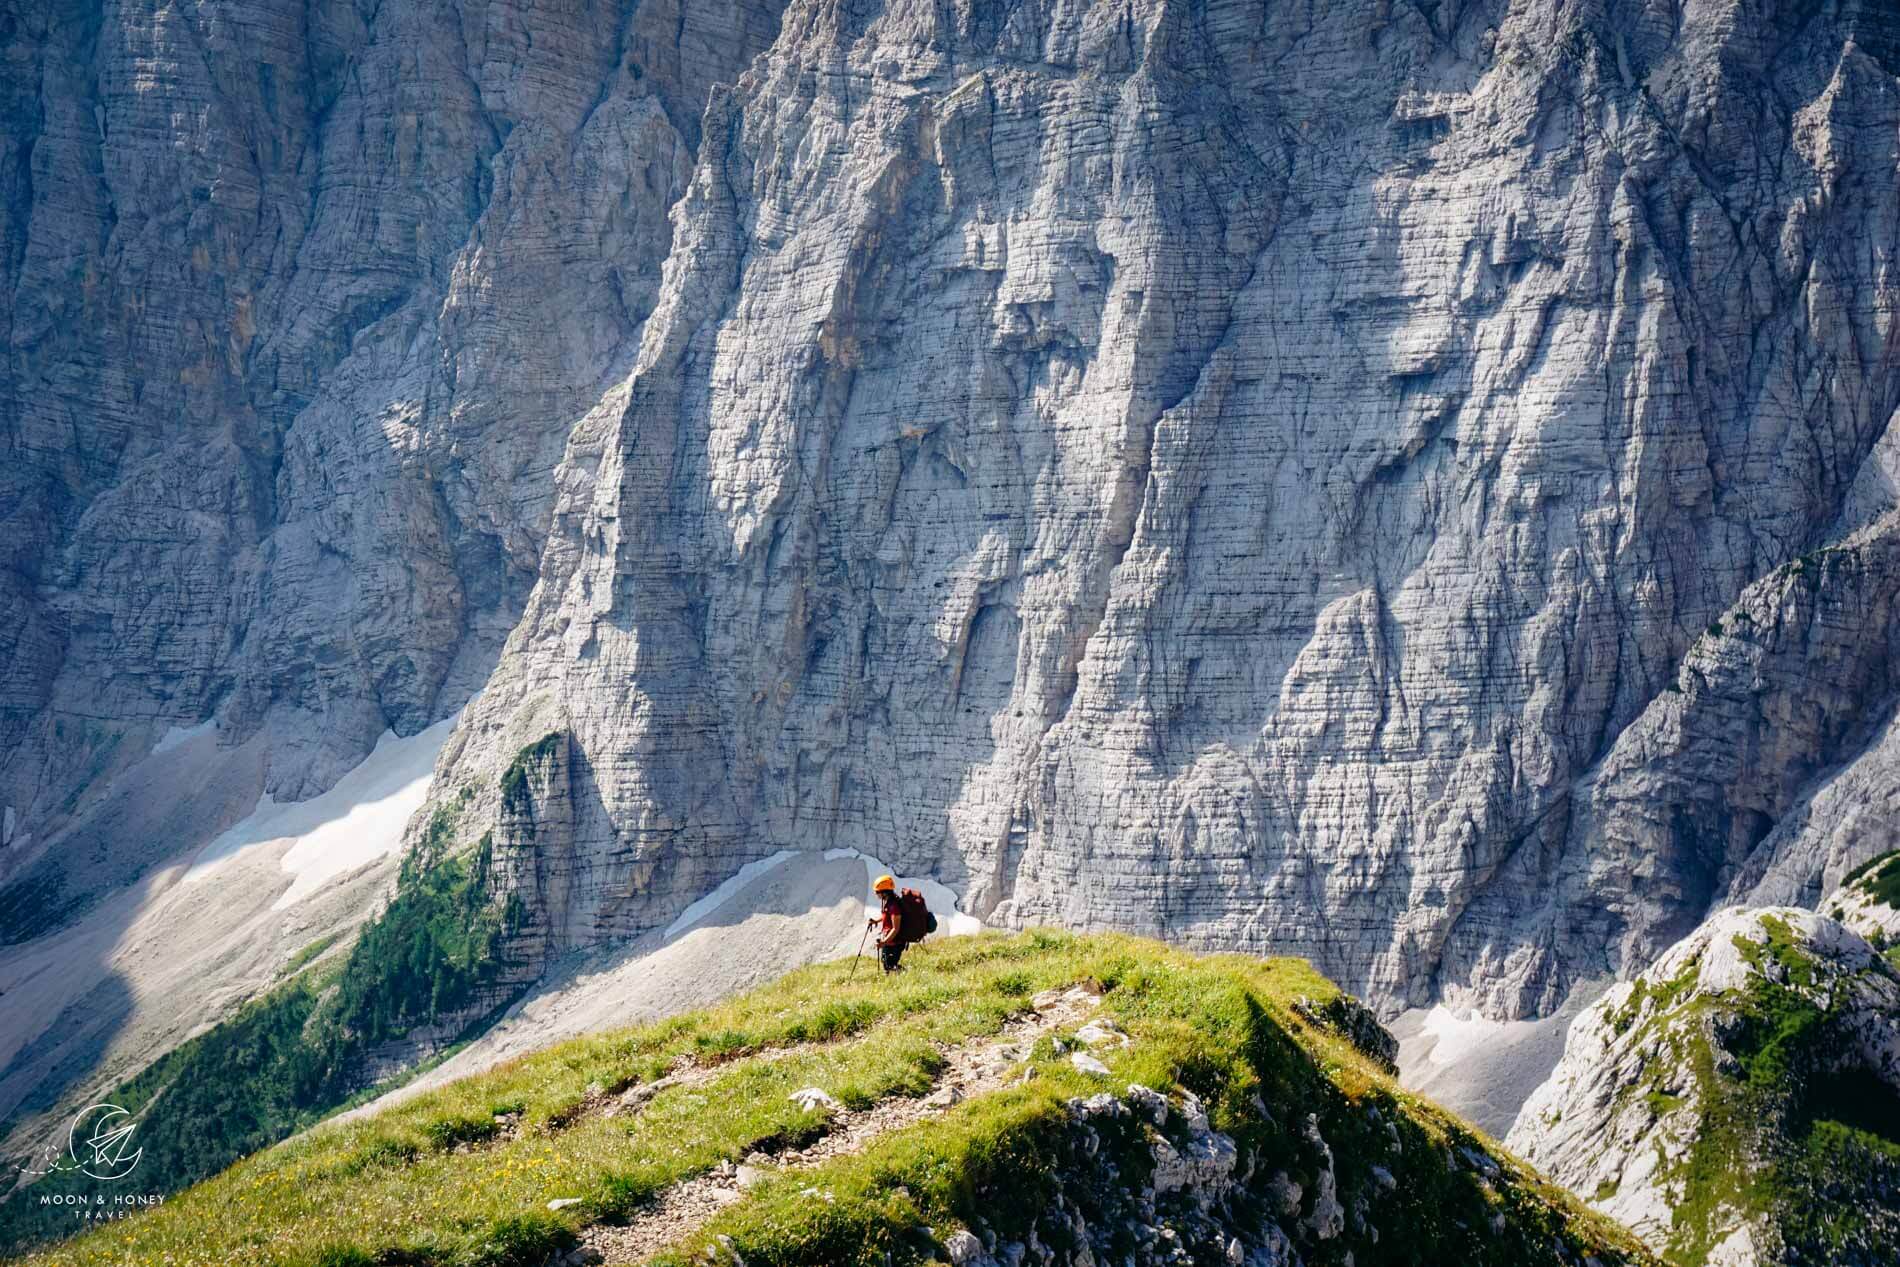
970 1069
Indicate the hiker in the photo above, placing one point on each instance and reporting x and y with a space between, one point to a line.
903 918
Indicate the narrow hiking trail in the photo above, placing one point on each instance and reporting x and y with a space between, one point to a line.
970 1069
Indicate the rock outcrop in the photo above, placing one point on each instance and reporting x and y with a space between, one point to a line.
1739 1102
1144 1181
1868 902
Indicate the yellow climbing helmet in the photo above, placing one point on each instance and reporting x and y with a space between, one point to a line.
885 884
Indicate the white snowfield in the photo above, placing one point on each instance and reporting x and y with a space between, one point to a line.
705 906
160 960
941 899
357 821
769 917
943 902
1481 1069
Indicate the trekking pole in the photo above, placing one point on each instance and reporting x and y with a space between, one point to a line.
854 959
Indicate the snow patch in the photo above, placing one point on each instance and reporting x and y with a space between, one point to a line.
178 736
1456 1037
942 900
802 911
357 821
1484 1069
705 906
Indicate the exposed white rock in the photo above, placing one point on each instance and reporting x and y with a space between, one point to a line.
1865 904
815 1099
1328 1217
1656 1078
963 1248
1148 1102
1206 1160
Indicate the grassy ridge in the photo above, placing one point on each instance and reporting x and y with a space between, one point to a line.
1878 878
439 1180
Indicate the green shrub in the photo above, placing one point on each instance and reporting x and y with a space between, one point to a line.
514 780
433 952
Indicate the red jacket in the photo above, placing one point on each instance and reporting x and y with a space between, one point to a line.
890 920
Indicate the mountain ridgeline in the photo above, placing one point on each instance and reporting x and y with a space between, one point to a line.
1037 1099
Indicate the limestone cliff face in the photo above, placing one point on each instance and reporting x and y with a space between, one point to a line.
1734 777
302 299
1325 477
1253 473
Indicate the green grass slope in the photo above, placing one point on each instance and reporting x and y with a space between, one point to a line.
463 1175
295 1054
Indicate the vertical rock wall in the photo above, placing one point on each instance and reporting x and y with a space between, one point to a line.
1253 474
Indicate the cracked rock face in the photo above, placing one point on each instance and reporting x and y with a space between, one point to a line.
1140 1179
302 299
1739 1102
1283 478
1343 479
